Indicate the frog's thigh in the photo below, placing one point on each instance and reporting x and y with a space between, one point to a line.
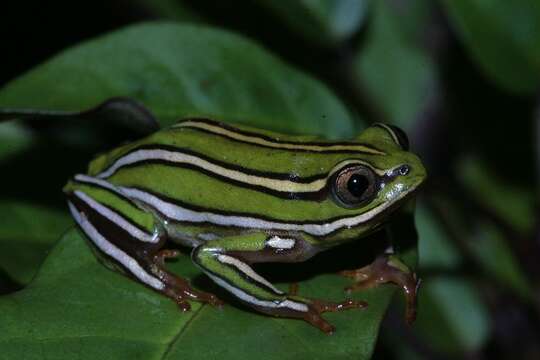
118 228
225 262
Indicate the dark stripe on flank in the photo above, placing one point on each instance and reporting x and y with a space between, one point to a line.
112 232
105 258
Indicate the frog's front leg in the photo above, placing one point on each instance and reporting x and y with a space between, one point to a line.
388 268
226 261
129 237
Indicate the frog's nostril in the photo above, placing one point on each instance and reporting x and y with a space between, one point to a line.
404 169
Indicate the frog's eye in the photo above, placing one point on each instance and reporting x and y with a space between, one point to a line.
353 185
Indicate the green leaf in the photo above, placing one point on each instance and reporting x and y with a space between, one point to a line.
502 36
179 71
511 201
27 232
14 138
435 248
452 316
326 22
398 74
497 259
487 245
76 307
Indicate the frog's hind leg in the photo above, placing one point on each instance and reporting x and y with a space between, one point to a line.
129 236
227 262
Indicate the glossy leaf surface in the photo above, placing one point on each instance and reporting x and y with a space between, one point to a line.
179 71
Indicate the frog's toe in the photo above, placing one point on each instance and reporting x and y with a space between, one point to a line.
328 306
315 319
189 293
215 301
183 305
318 307
183 294
165 254
387 269
353 274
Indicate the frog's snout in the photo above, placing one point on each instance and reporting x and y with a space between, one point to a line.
413 170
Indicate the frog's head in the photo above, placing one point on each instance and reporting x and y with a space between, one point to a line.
371 186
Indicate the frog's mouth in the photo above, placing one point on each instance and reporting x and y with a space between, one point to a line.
383 217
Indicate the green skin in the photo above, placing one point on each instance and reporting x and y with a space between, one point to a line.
104 200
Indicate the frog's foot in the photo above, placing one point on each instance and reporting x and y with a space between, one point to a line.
178 288
384 269
318 307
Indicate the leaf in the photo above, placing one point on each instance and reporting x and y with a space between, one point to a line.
501 36
179 71
453 318
497 259
326 22
513 202
487 245
76 307
436 250
27 232
391 65
13 139
124 111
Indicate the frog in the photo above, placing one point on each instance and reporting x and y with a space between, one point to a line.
237 196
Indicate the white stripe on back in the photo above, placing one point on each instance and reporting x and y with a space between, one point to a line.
255 139
181 158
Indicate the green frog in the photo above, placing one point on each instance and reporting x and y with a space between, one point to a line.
238 196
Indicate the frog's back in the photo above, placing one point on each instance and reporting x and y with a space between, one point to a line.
242 146
207 165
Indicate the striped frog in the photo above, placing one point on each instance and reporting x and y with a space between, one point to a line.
239 196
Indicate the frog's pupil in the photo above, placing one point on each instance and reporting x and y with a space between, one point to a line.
357 185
